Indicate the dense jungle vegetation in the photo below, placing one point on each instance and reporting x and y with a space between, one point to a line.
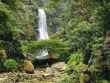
79 35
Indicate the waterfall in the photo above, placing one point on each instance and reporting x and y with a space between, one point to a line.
42 25
42 33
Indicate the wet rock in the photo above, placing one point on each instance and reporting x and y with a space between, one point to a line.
60 66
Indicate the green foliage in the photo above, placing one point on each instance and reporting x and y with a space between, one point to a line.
107 57
75 59
52 4
81 68
8 34
14 51
2 55
24 49
11 3
59 15
96 46
15 23
27 27
4 13
53 46
98 66
101 17
99 73
10 64
64 79
76 25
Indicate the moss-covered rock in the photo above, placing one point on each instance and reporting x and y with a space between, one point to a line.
28 66
2 55
84 78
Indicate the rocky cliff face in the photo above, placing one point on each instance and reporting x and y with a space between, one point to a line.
100 60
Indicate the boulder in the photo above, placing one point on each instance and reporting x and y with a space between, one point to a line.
35 80
82 67
28 66
48 75
2 80
84 78
48 70
105 81
60 66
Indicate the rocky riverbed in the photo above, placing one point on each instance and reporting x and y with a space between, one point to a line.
41 75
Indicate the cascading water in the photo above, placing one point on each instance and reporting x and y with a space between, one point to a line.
42 33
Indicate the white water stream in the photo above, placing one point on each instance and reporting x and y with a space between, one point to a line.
42 33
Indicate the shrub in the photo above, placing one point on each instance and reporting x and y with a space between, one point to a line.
65 79
10 64
74 60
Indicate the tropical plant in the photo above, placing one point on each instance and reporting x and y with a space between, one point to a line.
65 79
53 46
75 59
10 64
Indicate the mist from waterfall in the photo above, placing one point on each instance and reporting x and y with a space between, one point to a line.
42 33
